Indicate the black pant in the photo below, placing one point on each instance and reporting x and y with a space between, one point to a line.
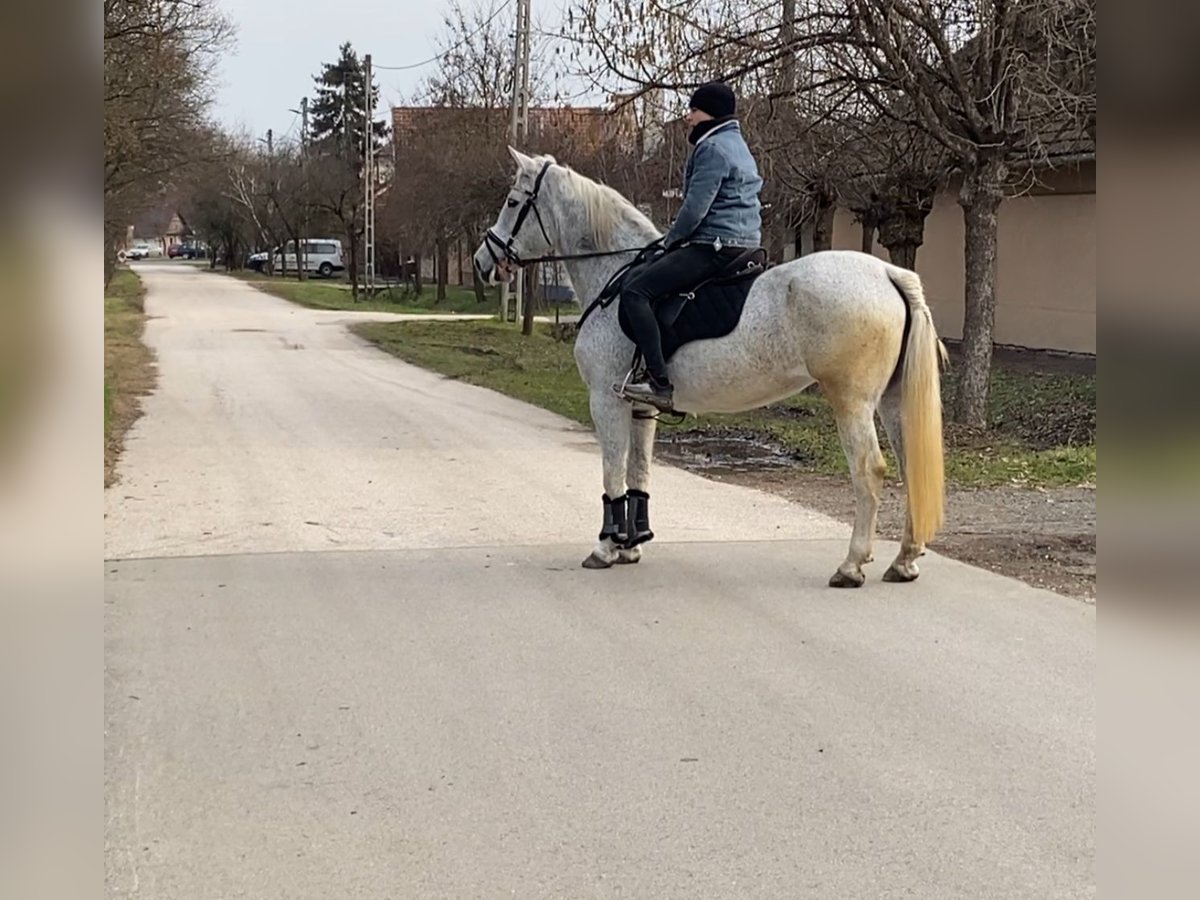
674 271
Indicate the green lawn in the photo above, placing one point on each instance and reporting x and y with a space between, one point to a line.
1043 424
323 293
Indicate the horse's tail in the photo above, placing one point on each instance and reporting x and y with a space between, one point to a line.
921 410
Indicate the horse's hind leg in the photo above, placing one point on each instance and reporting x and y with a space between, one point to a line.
641 451
904 568
612 418
860 442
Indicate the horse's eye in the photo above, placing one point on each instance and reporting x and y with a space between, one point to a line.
511 203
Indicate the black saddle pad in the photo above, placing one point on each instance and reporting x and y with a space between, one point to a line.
713 312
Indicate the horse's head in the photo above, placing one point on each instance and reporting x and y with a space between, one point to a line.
519 234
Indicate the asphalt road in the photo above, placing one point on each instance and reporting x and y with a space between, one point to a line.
350 652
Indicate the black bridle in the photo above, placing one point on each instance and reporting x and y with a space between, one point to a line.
493 242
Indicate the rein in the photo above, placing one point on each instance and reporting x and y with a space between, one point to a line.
608 294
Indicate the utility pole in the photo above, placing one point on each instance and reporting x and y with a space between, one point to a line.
518 127
302 255
369 182
304 123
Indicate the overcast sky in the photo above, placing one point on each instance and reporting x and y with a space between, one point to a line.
281 45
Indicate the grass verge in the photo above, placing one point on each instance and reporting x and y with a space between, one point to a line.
1043 431
128 363
322 293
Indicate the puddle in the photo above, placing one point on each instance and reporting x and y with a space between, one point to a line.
699 451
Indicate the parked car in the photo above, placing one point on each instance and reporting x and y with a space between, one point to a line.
257 262
321 255
187 251
138 251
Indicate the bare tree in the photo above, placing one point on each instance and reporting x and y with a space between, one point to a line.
289 201
998 84
895 173
247 183
212 211
335 187
1001 87
158 55
450 162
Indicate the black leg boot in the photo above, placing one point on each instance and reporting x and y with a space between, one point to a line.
639 518
616 520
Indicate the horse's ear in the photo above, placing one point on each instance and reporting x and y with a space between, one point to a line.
522 161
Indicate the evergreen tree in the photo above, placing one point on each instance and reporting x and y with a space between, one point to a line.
338 110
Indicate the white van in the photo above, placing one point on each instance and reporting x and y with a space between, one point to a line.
321 255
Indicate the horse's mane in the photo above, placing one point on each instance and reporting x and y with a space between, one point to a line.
606 209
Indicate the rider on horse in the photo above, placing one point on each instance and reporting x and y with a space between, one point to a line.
719 219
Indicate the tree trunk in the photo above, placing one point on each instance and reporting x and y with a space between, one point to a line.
980 197
114 239
823 225
903 255
477 284
462 277
868 236
296 251
417 274
775 242
352 235
443 266
902 231
531 285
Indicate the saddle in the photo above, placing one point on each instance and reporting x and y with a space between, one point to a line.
711 308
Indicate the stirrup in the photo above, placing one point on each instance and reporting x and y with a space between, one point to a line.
619 389
662 404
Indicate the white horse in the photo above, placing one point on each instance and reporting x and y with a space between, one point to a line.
848 321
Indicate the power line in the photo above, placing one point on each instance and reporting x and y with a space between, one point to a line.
450 49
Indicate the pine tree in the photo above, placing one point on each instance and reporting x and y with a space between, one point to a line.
339 108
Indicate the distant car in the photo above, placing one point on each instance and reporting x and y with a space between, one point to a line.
186 251
257 262
137 251
321 255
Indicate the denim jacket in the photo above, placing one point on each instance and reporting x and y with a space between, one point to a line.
720 192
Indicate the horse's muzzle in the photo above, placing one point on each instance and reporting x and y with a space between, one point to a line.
493 272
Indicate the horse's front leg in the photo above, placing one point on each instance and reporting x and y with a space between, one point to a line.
612 417
641 452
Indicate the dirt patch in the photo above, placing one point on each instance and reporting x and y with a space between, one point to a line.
1045 537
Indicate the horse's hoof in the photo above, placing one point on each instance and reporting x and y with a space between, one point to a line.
595 562
895 575
629 557
841 580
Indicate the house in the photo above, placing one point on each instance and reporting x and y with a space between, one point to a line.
1045 260
587 126
163 227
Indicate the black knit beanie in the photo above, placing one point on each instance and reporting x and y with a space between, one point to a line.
714 98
